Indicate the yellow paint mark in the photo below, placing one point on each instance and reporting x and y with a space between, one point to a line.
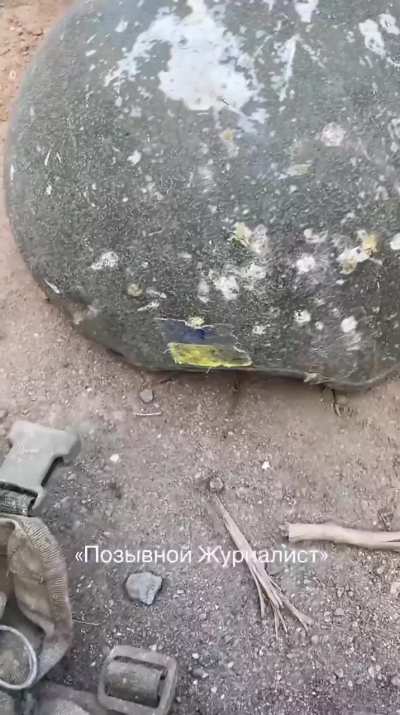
349 264
228 135
370 244
195 321
209 356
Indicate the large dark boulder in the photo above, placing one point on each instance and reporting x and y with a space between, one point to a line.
207 184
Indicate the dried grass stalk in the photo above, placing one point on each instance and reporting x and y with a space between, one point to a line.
266 586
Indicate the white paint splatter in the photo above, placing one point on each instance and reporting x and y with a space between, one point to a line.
305 263
135 157
122 25
374 41
203 291
395 242
348 324
313 237
156 293
255 240
302 317
333 134
109 259
351 257
388 22
259 329
228 286
207 68
150 306
305 9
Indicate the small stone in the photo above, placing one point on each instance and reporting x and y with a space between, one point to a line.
195 656
146 395
134 290
339 612
3 414
216 485
143 587
199 673
315 639
395 681
114 458
339 673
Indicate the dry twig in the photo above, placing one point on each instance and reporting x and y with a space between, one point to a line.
266 586
384 540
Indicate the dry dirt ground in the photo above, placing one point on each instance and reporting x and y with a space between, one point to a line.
284 455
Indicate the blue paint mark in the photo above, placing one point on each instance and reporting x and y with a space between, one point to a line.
178 331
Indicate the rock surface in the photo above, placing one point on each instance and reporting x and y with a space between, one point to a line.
251 220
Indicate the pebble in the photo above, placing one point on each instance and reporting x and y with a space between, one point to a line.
3 415
134 290
339 673
315 640
216 485
146 395
199 673
395 681
143 587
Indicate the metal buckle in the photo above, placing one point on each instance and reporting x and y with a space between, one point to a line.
138 656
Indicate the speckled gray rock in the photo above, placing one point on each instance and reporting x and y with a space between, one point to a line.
216 185
143 587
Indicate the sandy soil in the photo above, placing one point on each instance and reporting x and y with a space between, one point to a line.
283 454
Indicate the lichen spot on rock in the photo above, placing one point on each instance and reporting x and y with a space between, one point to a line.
302 317
333 135
348 324
395 242
109 259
